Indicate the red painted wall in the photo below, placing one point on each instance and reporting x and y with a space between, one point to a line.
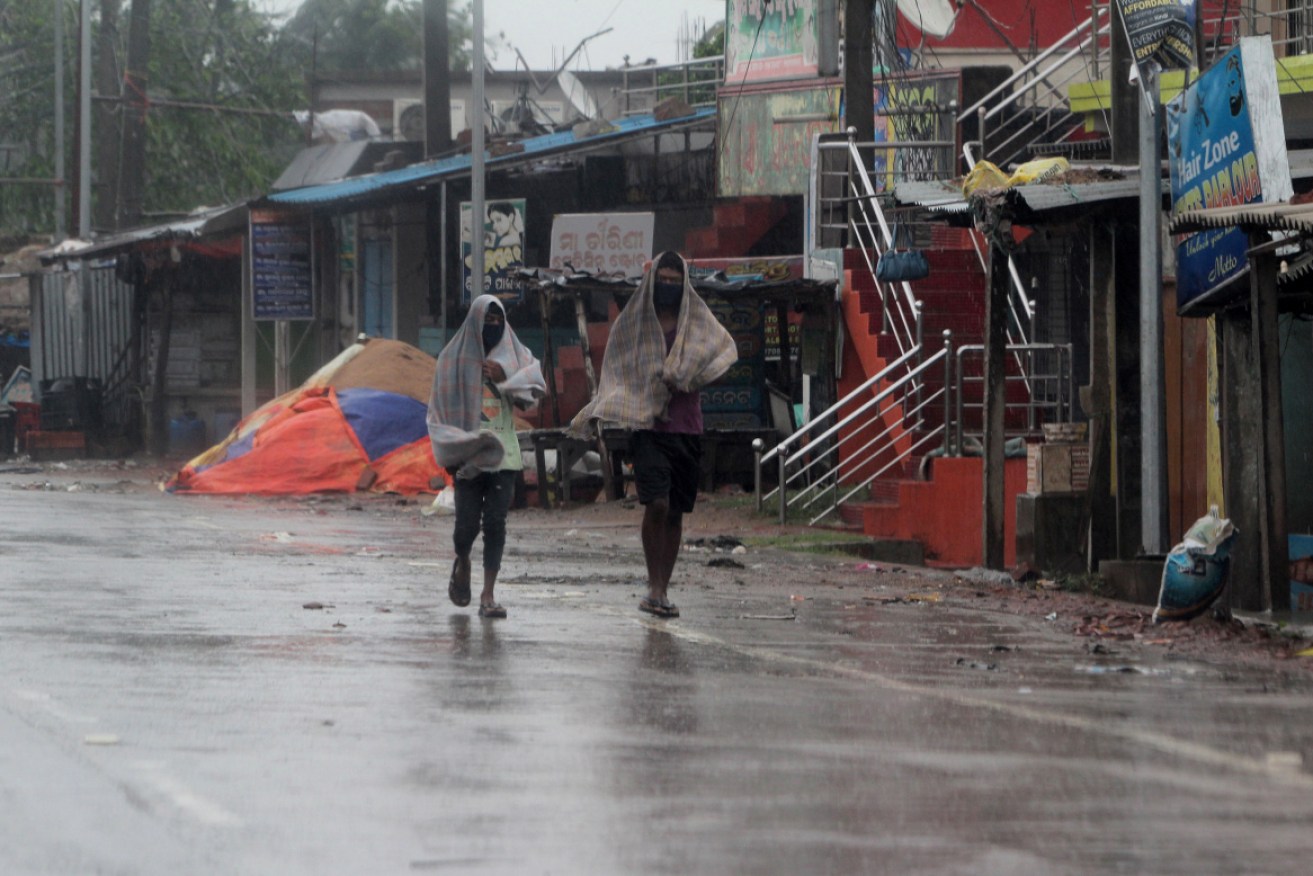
1020 20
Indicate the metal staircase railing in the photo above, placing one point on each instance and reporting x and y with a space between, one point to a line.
1029 106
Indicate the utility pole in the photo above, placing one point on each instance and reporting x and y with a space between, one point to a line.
437 79
108 84
132 165
858 84
476 160
61 230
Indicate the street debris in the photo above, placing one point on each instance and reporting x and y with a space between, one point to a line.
725 563
314 606
100 739
972 664
727 543
771 617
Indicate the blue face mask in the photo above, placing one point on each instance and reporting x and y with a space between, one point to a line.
666 296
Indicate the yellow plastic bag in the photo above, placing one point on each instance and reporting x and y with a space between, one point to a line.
1038 170
985 175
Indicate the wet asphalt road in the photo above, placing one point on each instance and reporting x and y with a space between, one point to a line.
168 706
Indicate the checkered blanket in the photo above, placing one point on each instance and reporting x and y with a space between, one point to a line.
638 374
457 398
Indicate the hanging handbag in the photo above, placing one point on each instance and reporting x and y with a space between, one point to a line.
901 264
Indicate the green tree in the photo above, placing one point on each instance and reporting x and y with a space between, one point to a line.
372 34
712 44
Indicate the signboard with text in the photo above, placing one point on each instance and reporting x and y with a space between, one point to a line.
1227 147
281 285
602 243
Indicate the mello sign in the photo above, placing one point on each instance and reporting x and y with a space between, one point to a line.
1227 147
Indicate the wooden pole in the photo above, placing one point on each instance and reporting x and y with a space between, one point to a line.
995 400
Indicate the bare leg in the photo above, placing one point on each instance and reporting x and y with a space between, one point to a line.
489 579
661 532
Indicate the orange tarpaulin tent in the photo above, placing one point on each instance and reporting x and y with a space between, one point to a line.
359 423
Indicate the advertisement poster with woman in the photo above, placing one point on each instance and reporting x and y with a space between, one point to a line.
503 248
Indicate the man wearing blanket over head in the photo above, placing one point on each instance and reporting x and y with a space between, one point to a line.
482 371
664 347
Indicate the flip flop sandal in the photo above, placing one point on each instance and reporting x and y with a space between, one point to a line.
492 611
458 588
662 608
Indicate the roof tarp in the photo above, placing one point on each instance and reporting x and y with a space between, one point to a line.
356 424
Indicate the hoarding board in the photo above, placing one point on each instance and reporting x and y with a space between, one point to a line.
503 248
1227 147
602 243
280 266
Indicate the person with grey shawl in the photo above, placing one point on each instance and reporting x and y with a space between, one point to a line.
664 347
481 373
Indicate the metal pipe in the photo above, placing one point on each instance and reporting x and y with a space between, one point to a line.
84 120
784 505
948 390
477 160
61 230
757 446
1153 450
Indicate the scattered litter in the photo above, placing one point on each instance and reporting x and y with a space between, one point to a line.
797 598
784 617
100 739
923 597
314 606
369 552
1051 616
719 542
1196 569
570 533
725 562
972 664
1024 690
1307 652
280 537
1003 648
1108 670
1100 648
339 625
740 550
573 594
868 567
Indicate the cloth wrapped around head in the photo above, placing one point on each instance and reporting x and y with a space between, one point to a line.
456 403
637 373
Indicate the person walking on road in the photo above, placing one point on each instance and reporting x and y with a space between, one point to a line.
664 347
482 372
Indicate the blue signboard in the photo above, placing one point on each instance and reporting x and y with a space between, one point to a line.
1214 163
280 266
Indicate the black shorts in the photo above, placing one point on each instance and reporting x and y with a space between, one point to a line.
667 465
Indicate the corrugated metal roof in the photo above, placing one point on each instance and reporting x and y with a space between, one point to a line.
1049 200
202 223
1056 201
330 162
1283 216
535 148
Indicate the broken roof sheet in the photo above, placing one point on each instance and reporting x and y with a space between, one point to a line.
1283 216
203 222
790 290
534 148
1055 201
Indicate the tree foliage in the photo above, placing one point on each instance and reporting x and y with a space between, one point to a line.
223 80
372 34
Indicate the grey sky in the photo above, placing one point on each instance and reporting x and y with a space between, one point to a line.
546 32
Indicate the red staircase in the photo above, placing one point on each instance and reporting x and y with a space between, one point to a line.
936 510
